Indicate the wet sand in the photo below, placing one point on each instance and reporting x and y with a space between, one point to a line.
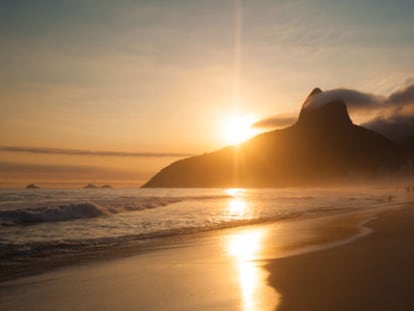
374 273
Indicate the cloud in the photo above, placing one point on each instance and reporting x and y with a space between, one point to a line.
11 170
409 81
395 119
78 152
278 121
402 97
392 115
396 127
355 100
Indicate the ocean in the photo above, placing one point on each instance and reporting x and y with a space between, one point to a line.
41 222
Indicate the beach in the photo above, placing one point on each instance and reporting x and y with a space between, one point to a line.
320 263
206 155
373 273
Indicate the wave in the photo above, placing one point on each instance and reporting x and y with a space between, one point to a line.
52 214
10 251
85 210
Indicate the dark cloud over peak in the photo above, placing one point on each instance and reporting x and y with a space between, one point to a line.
354 99
402 96
396 127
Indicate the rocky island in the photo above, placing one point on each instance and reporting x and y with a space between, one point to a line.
32 186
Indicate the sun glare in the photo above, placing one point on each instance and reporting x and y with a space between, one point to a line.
237 129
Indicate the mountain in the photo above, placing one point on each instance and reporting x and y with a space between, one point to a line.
322 146
408 142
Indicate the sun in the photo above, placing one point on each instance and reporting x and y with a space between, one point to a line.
237 129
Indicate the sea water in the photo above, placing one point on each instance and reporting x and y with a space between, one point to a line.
40 222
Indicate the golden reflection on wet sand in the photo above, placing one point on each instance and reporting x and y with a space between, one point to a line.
245 247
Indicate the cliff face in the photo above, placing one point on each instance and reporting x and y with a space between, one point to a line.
322 146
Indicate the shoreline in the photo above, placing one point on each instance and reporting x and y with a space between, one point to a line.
229 269
139 247
373 272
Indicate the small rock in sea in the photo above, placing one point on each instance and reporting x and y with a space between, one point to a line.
32 186
90 186
106 187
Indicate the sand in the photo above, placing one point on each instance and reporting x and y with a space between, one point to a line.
200 272
374 273
247 268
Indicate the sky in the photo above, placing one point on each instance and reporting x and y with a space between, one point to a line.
160 78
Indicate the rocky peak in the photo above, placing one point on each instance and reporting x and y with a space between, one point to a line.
333 113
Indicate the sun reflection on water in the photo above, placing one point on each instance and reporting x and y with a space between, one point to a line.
235 191
238 208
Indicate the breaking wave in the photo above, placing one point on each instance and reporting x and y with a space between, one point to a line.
84 210
59 213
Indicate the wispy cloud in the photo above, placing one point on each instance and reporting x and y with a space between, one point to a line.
39 172
79 152
277 121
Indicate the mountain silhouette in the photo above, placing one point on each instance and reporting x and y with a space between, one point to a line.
409 142
322 146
